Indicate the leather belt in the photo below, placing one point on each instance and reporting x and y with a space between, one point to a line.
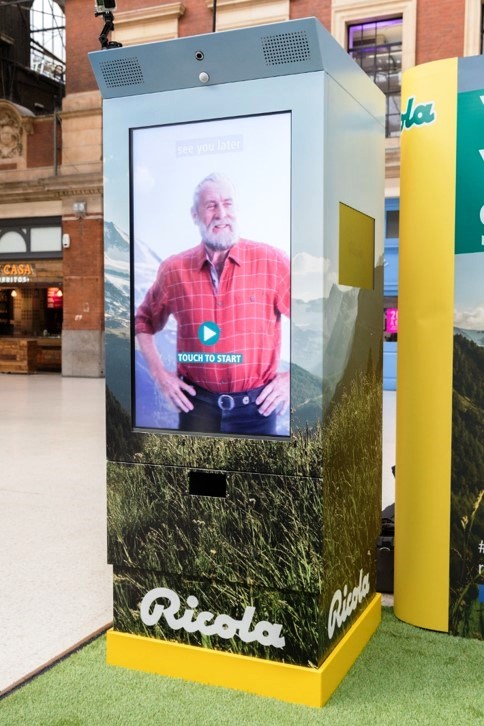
226 401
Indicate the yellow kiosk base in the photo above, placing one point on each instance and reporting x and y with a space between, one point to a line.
296 684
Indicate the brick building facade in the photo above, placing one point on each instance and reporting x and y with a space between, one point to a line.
52 162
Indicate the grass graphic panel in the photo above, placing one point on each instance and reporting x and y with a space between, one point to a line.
297 613
352 493
297 538
268 529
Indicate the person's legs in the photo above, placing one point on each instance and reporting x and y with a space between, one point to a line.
247 420
208 417
205 418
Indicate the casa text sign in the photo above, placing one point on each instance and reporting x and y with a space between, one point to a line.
16 273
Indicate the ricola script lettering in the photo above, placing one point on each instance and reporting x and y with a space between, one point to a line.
344 603
224 626
423 113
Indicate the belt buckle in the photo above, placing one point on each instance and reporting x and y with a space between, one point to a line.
225 397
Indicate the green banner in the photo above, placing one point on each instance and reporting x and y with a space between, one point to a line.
469 213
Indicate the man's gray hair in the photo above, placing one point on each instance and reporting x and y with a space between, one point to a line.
216 178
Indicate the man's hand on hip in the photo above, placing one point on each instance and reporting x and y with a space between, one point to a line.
173 388
274 395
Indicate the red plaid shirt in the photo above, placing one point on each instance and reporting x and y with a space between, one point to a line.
253 292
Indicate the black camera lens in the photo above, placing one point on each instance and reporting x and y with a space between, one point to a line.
199 55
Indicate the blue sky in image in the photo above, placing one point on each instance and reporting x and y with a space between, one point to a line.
169 162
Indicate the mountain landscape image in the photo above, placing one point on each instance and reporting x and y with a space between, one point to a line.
476 336
336 325
466 581
467 483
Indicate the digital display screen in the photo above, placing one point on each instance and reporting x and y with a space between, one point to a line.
211 286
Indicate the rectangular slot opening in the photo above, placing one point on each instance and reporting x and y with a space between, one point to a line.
207 483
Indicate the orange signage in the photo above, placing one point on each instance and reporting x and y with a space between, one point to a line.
16 272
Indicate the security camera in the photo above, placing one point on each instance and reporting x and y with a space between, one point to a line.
104 6
106 9
66 241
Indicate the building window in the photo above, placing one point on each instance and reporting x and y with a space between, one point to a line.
47 38
377 47
31 238
345 13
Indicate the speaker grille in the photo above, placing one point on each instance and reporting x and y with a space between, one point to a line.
122 72
285 48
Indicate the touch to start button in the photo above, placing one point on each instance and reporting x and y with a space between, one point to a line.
208 333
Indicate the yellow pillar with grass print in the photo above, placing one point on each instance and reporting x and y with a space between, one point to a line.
440 401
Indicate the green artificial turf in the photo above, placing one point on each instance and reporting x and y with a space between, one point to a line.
404 676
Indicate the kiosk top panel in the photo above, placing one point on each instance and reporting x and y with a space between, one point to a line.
265 51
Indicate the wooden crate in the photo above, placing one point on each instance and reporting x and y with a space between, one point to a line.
49 355
18 355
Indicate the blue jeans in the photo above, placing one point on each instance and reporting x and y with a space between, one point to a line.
227 414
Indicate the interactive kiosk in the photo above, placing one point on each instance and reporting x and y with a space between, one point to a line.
439 507
243 539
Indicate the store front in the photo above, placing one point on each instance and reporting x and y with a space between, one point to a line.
31 296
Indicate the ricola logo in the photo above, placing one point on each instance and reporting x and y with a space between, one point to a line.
424 113
264 632
344 603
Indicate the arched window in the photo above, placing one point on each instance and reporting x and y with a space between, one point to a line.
47 38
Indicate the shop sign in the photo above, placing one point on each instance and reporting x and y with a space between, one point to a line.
16 272
54 298
391 320
224 626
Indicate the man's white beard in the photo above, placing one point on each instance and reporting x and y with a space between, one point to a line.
222 240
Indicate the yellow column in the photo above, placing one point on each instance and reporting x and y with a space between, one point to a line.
425 344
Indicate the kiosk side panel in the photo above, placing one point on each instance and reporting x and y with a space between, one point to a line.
352 360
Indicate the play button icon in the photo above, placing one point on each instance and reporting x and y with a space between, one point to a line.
208 333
